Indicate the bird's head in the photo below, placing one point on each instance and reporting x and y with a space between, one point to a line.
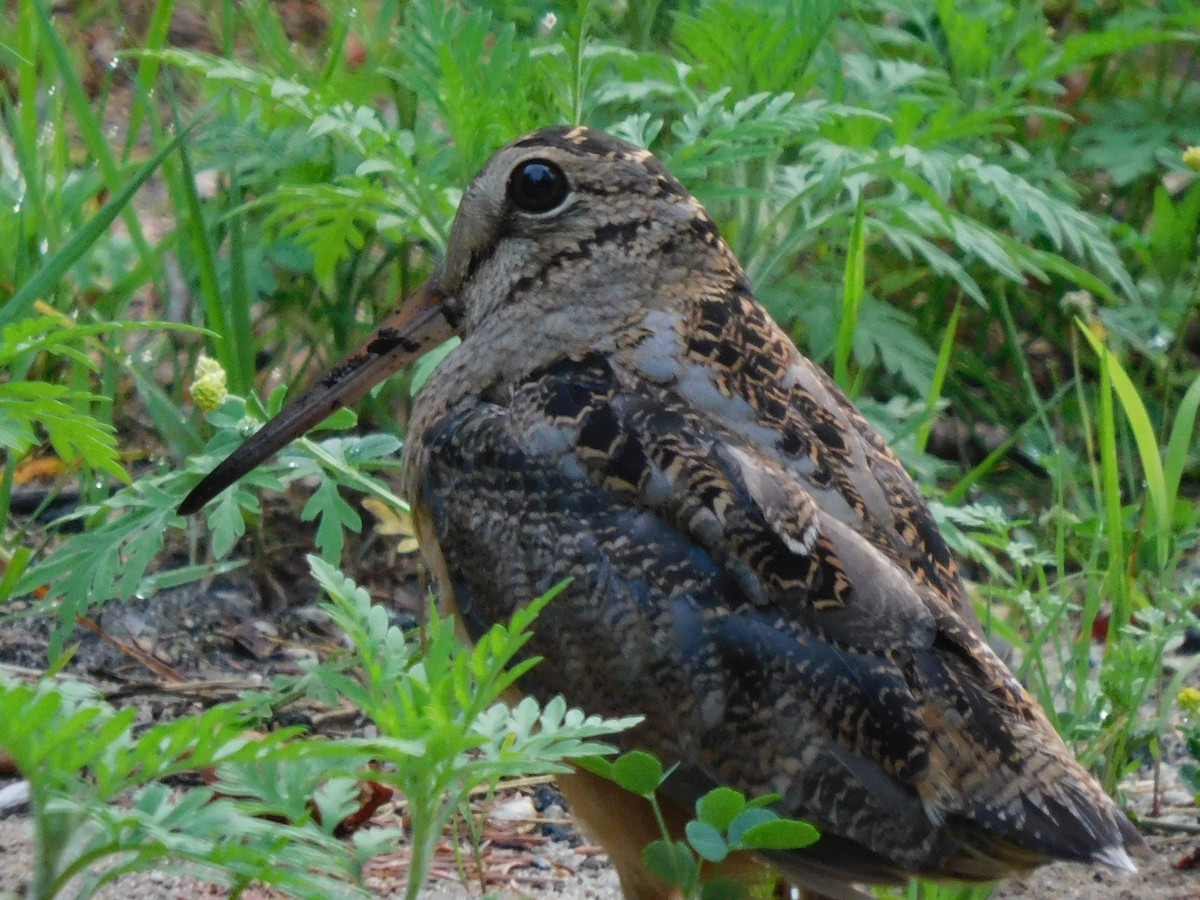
565 234
576 221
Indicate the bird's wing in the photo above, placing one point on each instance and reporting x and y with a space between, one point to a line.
771 645
728 362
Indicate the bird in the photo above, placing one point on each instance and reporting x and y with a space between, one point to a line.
750 566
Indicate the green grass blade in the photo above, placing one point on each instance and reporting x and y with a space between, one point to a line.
852 294
1114 524
147 74
180 433
958 493
1180 442
1146 440
25 127
91 129
77 245
204 257
945 351
239 300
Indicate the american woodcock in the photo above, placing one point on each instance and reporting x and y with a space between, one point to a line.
753 570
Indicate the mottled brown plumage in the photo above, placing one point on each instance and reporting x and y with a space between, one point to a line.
753 570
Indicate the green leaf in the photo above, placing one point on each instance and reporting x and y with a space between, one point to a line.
724 889
885 334
109 560
72 434
225 521
597 765
334 514
746 820
13 570
719 807
339 420
427 363
706 841
778 834
673 862
762 801
638 772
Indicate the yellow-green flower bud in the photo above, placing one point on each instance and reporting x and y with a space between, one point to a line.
1188 700
208 385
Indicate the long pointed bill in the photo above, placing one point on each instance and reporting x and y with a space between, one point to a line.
417 327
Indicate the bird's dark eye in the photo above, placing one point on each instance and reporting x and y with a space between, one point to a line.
537 186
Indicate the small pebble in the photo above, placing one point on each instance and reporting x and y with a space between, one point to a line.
547 795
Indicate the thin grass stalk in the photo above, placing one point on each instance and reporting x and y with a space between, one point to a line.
853 288
936 384
91 130
1117 580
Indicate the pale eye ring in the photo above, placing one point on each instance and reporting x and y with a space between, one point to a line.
538 186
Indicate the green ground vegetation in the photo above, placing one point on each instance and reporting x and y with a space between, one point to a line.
981 216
